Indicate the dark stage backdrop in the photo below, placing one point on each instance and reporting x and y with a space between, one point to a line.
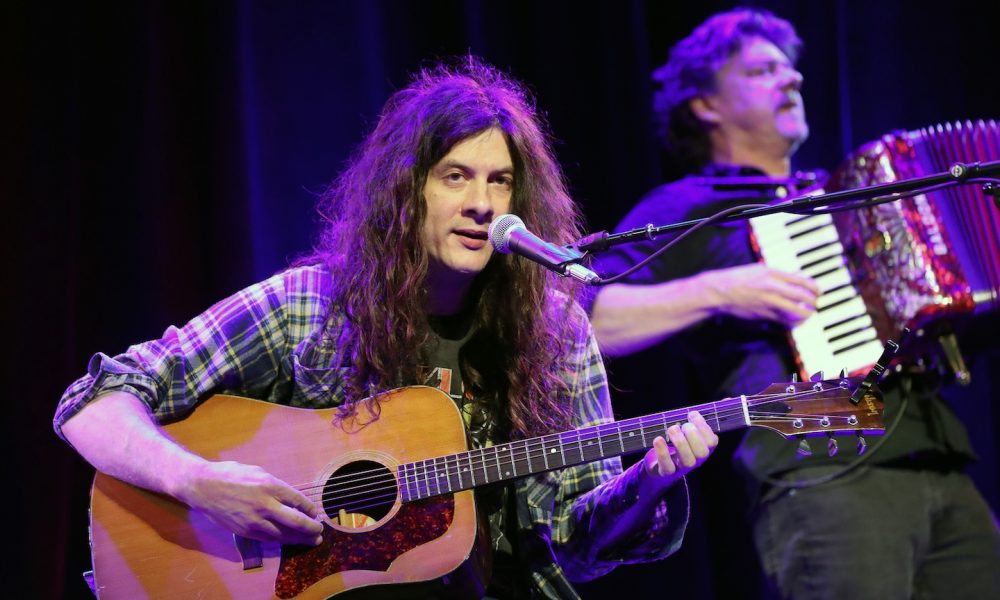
160 155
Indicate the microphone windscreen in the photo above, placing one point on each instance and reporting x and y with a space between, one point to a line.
500 230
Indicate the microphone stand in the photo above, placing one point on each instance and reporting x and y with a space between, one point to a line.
876 194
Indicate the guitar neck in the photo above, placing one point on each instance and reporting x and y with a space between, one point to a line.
483 466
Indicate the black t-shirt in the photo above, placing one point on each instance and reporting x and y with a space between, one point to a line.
496 502
725 356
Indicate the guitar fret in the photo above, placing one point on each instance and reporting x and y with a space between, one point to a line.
450 474
496 456
443 476
629 441
513 465
471 469
482 461
621 442
404 487
535 465
454 474
420 480
425 479
412 479
579 445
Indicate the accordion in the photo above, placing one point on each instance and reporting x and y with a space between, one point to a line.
917 262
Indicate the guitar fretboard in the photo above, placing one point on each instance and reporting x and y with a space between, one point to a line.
474 468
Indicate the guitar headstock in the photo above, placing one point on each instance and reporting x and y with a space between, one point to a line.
816 408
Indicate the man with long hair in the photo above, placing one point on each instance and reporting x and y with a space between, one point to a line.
907 522
402 289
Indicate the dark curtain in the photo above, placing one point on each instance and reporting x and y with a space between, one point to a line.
160 155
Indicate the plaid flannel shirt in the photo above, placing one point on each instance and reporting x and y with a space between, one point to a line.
269 342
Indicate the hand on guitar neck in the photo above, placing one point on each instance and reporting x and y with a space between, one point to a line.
691 445
664 465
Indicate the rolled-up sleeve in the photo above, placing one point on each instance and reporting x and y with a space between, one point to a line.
236 345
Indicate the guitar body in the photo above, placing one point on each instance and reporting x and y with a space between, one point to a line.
395 524
149 545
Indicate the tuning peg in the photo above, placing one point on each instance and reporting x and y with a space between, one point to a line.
804 448
794 378
843 373
817 376
862 444
831 445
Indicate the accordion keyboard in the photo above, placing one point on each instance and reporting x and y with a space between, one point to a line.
841 333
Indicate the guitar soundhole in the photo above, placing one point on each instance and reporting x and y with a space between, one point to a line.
359 494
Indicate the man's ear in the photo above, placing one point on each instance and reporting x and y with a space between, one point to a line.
703 108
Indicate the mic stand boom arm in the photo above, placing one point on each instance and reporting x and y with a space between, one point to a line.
875 194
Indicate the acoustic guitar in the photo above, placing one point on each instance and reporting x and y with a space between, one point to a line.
395 494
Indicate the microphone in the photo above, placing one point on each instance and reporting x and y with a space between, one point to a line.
509 235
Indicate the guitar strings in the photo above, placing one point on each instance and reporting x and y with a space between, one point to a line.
522 454
526 452
657 420
364 499
387 493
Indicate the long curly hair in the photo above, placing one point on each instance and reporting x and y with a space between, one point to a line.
374 212
690 72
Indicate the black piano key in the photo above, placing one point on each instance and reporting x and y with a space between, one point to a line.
854 345
836 289
823 259
841 336
834 304
810 230
843 321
